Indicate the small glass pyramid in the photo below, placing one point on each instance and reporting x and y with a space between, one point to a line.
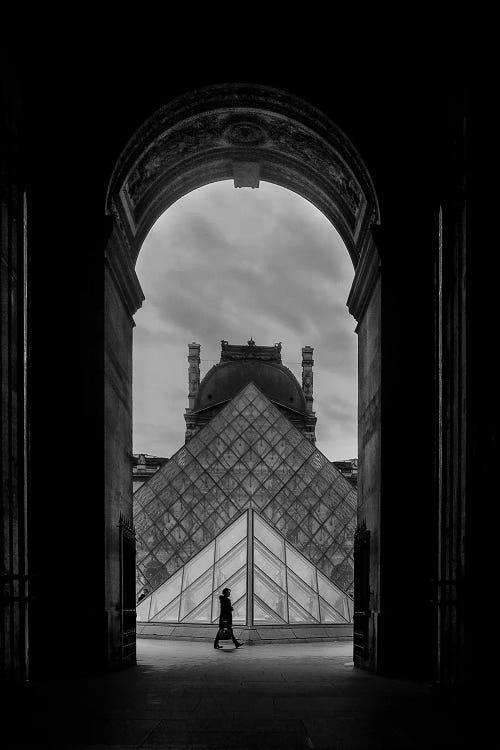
281 587
248 457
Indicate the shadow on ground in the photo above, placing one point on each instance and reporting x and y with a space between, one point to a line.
188 695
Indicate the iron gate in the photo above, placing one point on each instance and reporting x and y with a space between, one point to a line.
361 592
127 588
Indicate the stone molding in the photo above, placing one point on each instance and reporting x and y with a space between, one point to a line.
367 273
122 272
237 352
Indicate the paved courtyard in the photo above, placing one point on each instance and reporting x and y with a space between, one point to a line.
187 695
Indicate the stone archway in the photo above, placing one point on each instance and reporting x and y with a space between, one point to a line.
247 133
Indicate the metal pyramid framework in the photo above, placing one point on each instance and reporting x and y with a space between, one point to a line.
271 583
249 456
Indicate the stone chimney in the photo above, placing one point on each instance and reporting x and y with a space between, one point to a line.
307 376
193 373
194 384
307 389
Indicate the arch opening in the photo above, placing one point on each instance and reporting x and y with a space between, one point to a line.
248 134
223 263
233 264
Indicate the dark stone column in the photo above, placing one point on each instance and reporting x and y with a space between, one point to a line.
455 594
308 389
123 296
365 305
14 593
193 384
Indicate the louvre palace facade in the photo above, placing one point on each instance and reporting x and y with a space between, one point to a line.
249 503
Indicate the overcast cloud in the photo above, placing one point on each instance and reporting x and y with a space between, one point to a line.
229 264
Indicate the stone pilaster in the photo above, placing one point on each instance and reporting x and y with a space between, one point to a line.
307 388
193 373
307 376
194 384
123 297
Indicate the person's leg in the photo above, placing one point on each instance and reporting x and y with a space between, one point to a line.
236 643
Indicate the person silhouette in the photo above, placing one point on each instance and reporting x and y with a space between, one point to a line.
143 595
226 618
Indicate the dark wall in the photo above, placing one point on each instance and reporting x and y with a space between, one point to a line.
81 102
15 587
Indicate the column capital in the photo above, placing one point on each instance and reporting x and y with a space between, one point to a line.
121 269
367 273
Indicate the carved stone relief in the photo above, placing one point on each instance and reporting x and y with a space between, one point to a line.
171 147
269 133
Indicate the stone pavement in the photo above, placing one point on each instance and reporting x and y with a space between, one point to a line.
188 695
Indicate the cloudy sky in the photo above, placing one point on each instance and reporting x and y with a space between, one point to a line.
226 263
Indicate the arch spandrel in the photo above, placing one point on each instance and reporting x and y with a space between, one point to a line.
198 138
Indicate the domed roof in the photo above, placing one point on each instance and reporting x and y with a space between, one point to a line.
224 380
240 365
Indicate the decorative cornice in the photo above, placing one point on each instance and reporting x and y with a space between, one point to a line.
236 352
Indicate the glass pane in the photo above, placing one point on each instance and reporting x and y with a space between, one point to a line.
198 565
272 459
165 593
262 472
270 564
259 402
261 446
240 612
196 593
273 596
231 536
251 391
228 459
263 615
272 436
170 613
217 446
297 614
350 608
295 459
318 460
230 563
268 537
332 595
301 567
241 402
206 435
142 609
305 596
202 613
249 484
329 614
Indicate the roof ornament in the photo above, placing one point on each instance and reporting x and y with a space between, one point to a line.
251 342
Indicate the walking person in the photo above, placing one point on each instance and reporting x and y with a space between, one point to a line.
226 618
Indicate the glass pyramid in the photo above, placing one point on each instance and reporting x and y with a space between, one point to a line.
281 587
249 456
